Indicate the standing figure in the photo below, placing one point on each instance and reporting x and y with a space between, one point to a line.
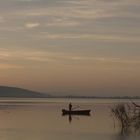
70 107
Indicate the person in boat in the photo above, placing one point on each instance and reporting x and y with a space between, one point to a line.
70 107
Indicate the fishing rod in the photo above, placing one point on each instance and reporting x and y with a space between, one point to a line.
75 107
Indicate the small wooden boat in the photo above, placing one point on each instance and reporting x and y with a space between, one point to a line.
75 112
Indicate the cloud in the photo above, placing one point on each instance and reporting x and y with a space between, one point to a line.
76 20
62 22
10 66
27 0
101 16
32 25
83 9
32 55
69 12
80 59
106 37
4 54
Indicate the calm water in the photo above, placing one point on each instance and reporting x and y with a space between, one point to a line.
42 120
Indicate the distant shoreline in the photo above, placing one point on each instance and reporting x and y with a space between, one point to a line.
15 92
96 97
72 97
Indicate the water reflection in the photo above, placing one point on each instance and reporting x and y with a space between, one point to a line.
70 116
41 121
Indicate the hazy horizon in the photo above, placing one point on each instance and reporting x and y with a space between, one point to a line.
74 47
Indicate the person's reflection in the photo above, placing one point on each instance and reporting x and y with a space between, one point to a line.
70 118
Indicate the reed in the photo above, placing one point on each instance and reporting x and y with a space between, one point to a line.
128 116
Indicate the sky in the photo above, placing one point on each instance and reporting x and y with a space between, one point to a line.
71 47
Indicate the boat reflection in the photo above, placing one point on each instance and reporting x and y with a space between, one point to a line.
71 116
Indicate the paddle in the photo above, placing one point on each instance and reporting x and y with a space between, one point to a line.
75 107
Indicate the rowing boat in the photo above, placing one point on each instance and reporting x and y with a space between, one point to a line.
75 112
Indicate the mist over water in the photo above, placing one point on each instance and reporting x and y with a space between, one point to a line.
36 119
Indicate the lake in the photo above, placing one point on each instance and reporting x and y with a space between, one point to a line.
41 119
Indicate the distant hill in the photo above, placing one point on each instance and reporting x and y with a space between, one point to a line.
20 93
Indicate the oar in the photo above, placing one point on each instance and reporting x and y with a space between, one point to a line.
75 107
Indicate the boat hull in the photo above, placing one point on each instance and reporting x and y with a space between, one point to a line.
75 112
